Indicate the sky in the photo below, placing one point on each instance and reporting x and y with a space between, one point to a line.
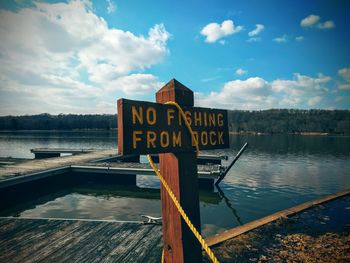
82 56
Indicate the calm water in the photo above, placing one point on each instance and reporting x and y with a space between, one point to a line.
274 173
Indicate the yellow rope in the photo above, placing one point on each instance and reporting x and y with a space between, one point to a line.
173 197
183 214
187 124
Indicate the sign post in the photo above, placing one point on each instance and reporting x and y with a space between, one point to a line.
145 127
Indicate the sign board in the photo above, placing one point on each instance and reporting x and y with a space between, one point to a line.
146 127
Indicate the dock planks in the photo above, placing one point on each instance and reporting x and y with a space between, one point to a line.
31 170
59 240
38 165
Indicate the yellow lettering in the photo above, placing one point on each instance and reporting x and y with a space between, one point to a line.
212 135
220 134
164 139
136 139
180 118
137 114
205 118
220 120
195 139
212 121
170 115
188 117
151 139
197 118
204 138
153 120
177 139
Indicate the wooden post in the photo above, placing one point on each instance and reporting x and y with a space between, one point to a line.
155 128
180 171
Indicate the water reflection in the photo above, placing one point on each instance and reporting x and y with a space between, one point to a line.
229 205
294 144
18 144
97 201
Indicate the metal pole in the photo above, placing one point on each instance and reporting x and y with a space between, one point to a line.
222 176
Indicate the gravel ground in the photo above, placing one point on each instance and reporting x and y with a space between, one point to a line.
319 234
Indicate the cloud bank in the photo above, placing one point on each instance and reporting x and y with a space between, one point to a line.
63 54
255 93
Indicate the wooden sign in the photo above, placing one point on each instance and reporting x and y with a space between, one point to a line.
146 127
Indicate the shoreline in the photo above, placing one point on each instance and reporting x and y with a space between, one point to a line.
254 133
315 231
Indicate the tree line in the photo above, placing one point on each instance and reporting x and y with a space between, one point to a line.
290 121
265 121
47 121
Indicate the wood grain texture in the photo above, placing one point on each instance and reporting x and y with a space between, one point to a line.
180 172
47 240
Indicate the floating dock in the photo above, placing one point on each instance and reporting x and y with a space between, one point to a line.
102 162
80 240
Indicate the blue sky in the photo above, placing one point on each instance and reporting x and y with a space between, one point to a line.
81 56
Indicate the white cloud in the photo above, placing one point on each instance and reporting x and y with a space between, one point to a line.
313 21
344 86
64 50
281 39
326 25
215 31
299 38
312 102
345 74
240 72
111 7
256 93
301 84
257 30
135 84
309 21
251 93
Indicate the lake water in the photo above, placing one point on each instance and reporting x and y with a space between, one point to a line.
274 173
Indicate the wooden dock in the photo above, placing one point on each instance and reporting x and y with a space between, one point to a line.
96 162
34 166
80 240
41 153
61 240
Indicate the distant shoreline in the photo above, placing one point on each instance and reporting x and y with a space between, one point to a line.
276 121
288 133
254 133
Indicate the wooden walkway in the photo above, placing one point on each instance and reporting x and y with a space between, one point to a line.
33 166
87 163
54 240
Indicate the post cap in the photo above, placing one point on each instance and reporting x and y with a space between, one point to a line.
175 91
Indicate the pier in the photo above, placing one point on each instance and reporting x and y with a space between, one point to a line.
98 162
41 153
65 240
79 240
